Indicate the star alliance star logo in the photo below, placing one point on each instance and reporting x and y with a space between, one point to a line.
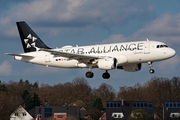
30 42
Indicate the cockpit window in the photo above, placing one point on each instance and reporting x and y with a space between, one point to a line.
161 46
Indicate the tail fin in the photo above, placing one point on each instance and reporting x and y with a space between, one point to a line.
30 41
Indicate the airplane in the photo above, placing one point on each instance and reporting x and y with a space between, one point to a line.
127 56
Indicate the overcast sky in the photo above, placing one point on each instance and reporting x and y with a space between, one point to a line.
84 22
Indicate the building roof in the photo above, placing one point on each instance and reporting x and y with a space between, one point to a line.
21 112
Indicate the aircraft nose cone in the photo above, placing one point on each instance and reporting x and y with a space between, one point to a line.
172 52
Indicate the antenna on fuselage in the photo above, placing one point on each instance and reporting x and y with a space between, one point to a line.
147 39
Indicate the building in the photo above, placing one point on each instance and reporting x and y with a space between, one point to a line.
57 112
171 110
123 109
20 114
103 117
84 114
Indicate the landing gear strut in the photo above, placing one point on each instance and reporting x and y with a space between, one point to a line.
150 66
90 74
106 75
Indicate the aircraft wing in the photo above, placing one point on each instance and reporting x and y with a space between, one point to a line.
73 55
20 55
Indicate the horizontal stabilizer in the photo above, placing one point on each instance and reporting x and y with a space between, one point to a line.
20 55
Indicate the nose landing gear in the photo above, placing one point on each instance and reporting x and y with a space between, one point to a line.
150 66
151 71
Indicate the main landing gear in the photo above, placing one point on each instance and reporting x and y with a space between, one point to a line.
105 75
90 74
150 66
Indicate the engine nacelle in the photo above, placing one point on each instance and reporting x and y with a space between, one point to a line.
107 63
132 67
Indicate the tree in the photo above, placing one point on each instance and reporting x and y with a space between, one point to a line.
3 87
35 85
139 114
25 95
97 103
30 102
36 101
78 103
27 99
97 107
81 91
105 92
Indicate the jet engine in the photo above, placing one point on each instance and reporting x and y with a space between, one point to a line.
132 67
107 63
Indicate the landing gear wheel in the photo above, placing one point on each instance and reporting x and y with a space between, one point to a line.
89 74
151 71
150 66
106 75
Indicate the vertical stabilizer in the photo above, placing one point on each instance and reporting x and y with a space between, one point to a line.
30 41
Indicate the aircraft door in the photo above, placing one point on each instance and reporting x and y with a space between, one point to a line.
47 58
146 47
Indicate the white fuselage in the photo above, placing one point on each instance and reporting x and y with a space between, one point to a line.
134 52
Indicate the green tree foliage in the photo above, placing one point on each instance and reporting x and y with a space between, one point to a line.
27 99
35 85
36 100
97 107
156 90
3 87
139 114
97 103
25 95
30 102
13 94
